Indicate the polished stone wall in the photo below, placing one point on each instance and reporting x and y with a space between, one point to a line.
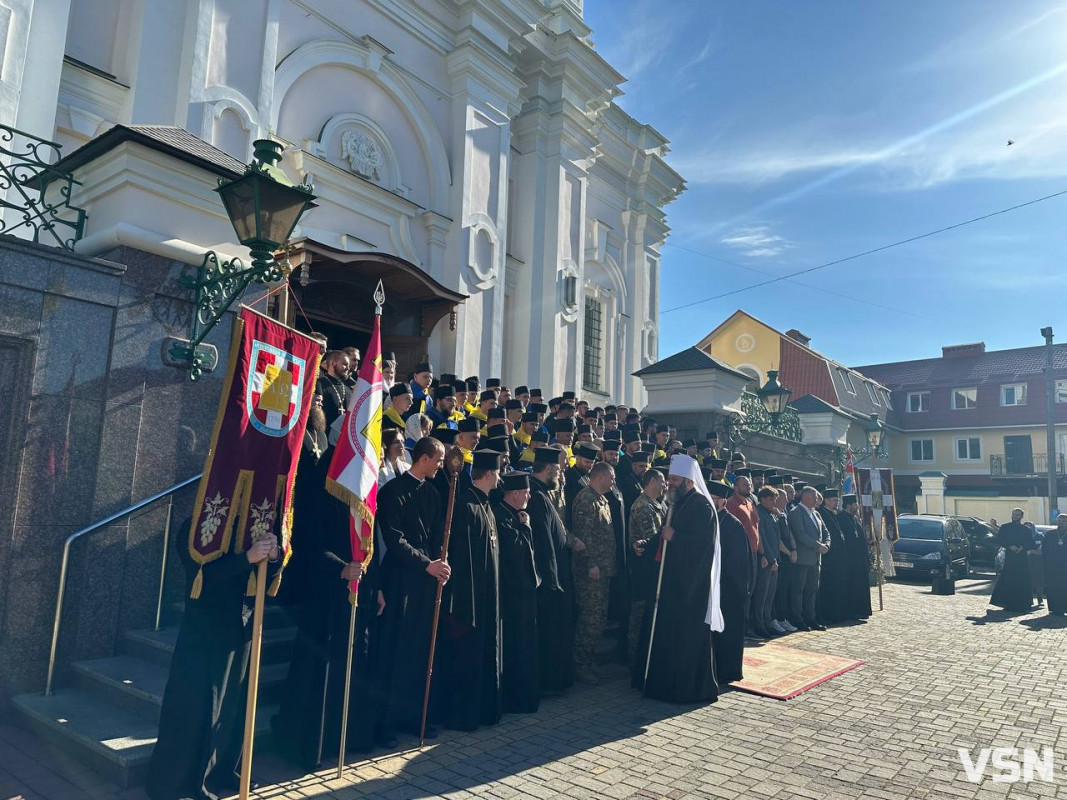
91 422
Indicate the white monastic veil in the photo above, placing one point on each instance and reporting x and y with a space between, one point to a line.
687 467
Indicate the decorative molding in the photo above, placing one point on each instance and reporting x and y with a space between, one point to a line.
369 58
330 146
483 249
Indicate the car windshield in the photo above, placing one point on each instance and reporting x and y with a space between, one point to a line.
921 529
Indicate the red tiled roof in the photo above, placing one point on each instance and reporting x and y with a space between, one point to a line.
805 372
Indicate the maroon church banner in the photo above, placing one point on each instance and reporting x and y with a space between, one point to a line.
247 486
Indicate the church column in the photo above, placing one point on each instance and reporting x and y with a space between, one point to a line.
484 96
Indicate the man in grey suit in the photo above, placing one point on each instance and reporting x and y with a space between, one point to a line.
812 540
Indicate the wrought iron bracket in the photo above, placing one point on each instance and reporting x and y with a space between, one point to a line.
754 419
218 283
34 195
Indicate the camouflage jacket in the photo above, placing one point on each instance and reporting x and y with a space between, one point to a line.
592 524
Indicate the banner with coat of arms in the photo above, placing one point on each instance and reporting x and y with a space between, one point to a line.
247 486
876 497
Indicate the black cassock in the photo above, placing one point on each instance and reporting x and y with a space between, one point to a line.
308 725
682 669
409 520
470 686
858 584
630 486
1054 556
555 595
574 480
308 495
201 724
832 603
1013 591
729 644
518 612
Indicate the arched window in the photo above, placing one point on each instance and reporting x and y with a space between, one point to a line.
754 384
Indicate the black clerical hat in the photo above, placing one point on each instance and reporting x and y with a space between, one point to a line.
719 489
529 416
519 390
641 457
583 427
497 413
399 388
536 393
470 425
488 394
569 395
513 404
485 459
564 426
547 455
537 408
718 463
630 436
442 391
424 366
448 377
539 436
613 436
849 499
492 383
388 355
587 450
515 481
743 473
445 435
831 493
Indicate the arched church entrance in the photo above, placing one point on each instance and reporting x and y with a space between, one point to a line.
334 292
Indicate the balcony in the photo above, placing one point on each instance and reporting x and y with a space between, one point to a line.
1002 466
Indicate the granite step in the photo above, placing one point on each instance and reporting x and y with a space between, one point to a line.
112 740
136 685
157 647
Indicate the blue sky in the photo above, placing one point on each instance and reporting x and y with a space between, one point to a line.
810 131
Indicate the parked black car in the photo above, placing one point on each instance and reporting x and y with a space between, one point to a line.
927 543
983 538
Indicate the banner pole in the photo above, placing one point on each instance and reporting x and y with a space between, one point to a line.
878 559
348 683
253 679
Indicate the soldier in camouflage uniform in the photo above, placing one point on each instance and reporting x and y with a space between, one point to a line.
594 565
646 522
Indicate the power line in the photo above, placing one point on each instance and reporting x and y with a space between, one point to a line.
800 283
872 251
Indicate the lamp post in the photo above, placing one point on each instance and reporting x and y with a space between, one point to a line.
264 207
1050 426
762 418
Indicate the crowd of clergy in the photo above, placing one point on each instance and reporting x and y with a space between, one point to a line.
579 536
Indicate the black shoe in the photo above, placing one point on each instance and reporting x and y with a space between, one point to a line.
818 627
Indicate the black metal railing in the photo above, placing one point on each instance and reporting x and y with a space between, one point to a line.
34 195
1002 466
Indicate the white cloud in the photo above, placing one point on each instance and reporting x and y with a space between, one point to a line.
756 241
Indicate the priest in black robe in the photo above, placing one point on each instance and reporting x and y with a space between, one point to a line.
729 644
518 597
470 620
307 727
201 724
552 558
576 478
1013 591
1054 556
680 664
857 552
832 599
409 521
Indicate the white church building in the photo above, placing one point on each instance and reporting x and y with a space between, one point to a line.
468 152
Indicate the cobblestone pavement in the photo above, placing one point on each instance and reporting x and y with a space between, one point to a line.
941 674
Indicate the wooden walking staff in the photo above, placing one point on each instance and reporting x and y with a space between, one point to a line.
253 679
655 607
453 463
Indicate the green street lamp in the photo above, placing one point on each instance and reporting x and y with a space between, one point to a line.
264 207
774 396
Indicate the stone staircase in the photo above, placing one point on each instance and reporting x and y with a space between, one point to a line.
108 715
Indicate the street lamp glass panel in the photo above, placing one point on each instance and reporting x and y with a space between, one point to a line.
874 432
263 211
773 395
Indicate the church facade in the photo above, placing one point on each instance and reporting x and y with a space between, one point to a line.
472 146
